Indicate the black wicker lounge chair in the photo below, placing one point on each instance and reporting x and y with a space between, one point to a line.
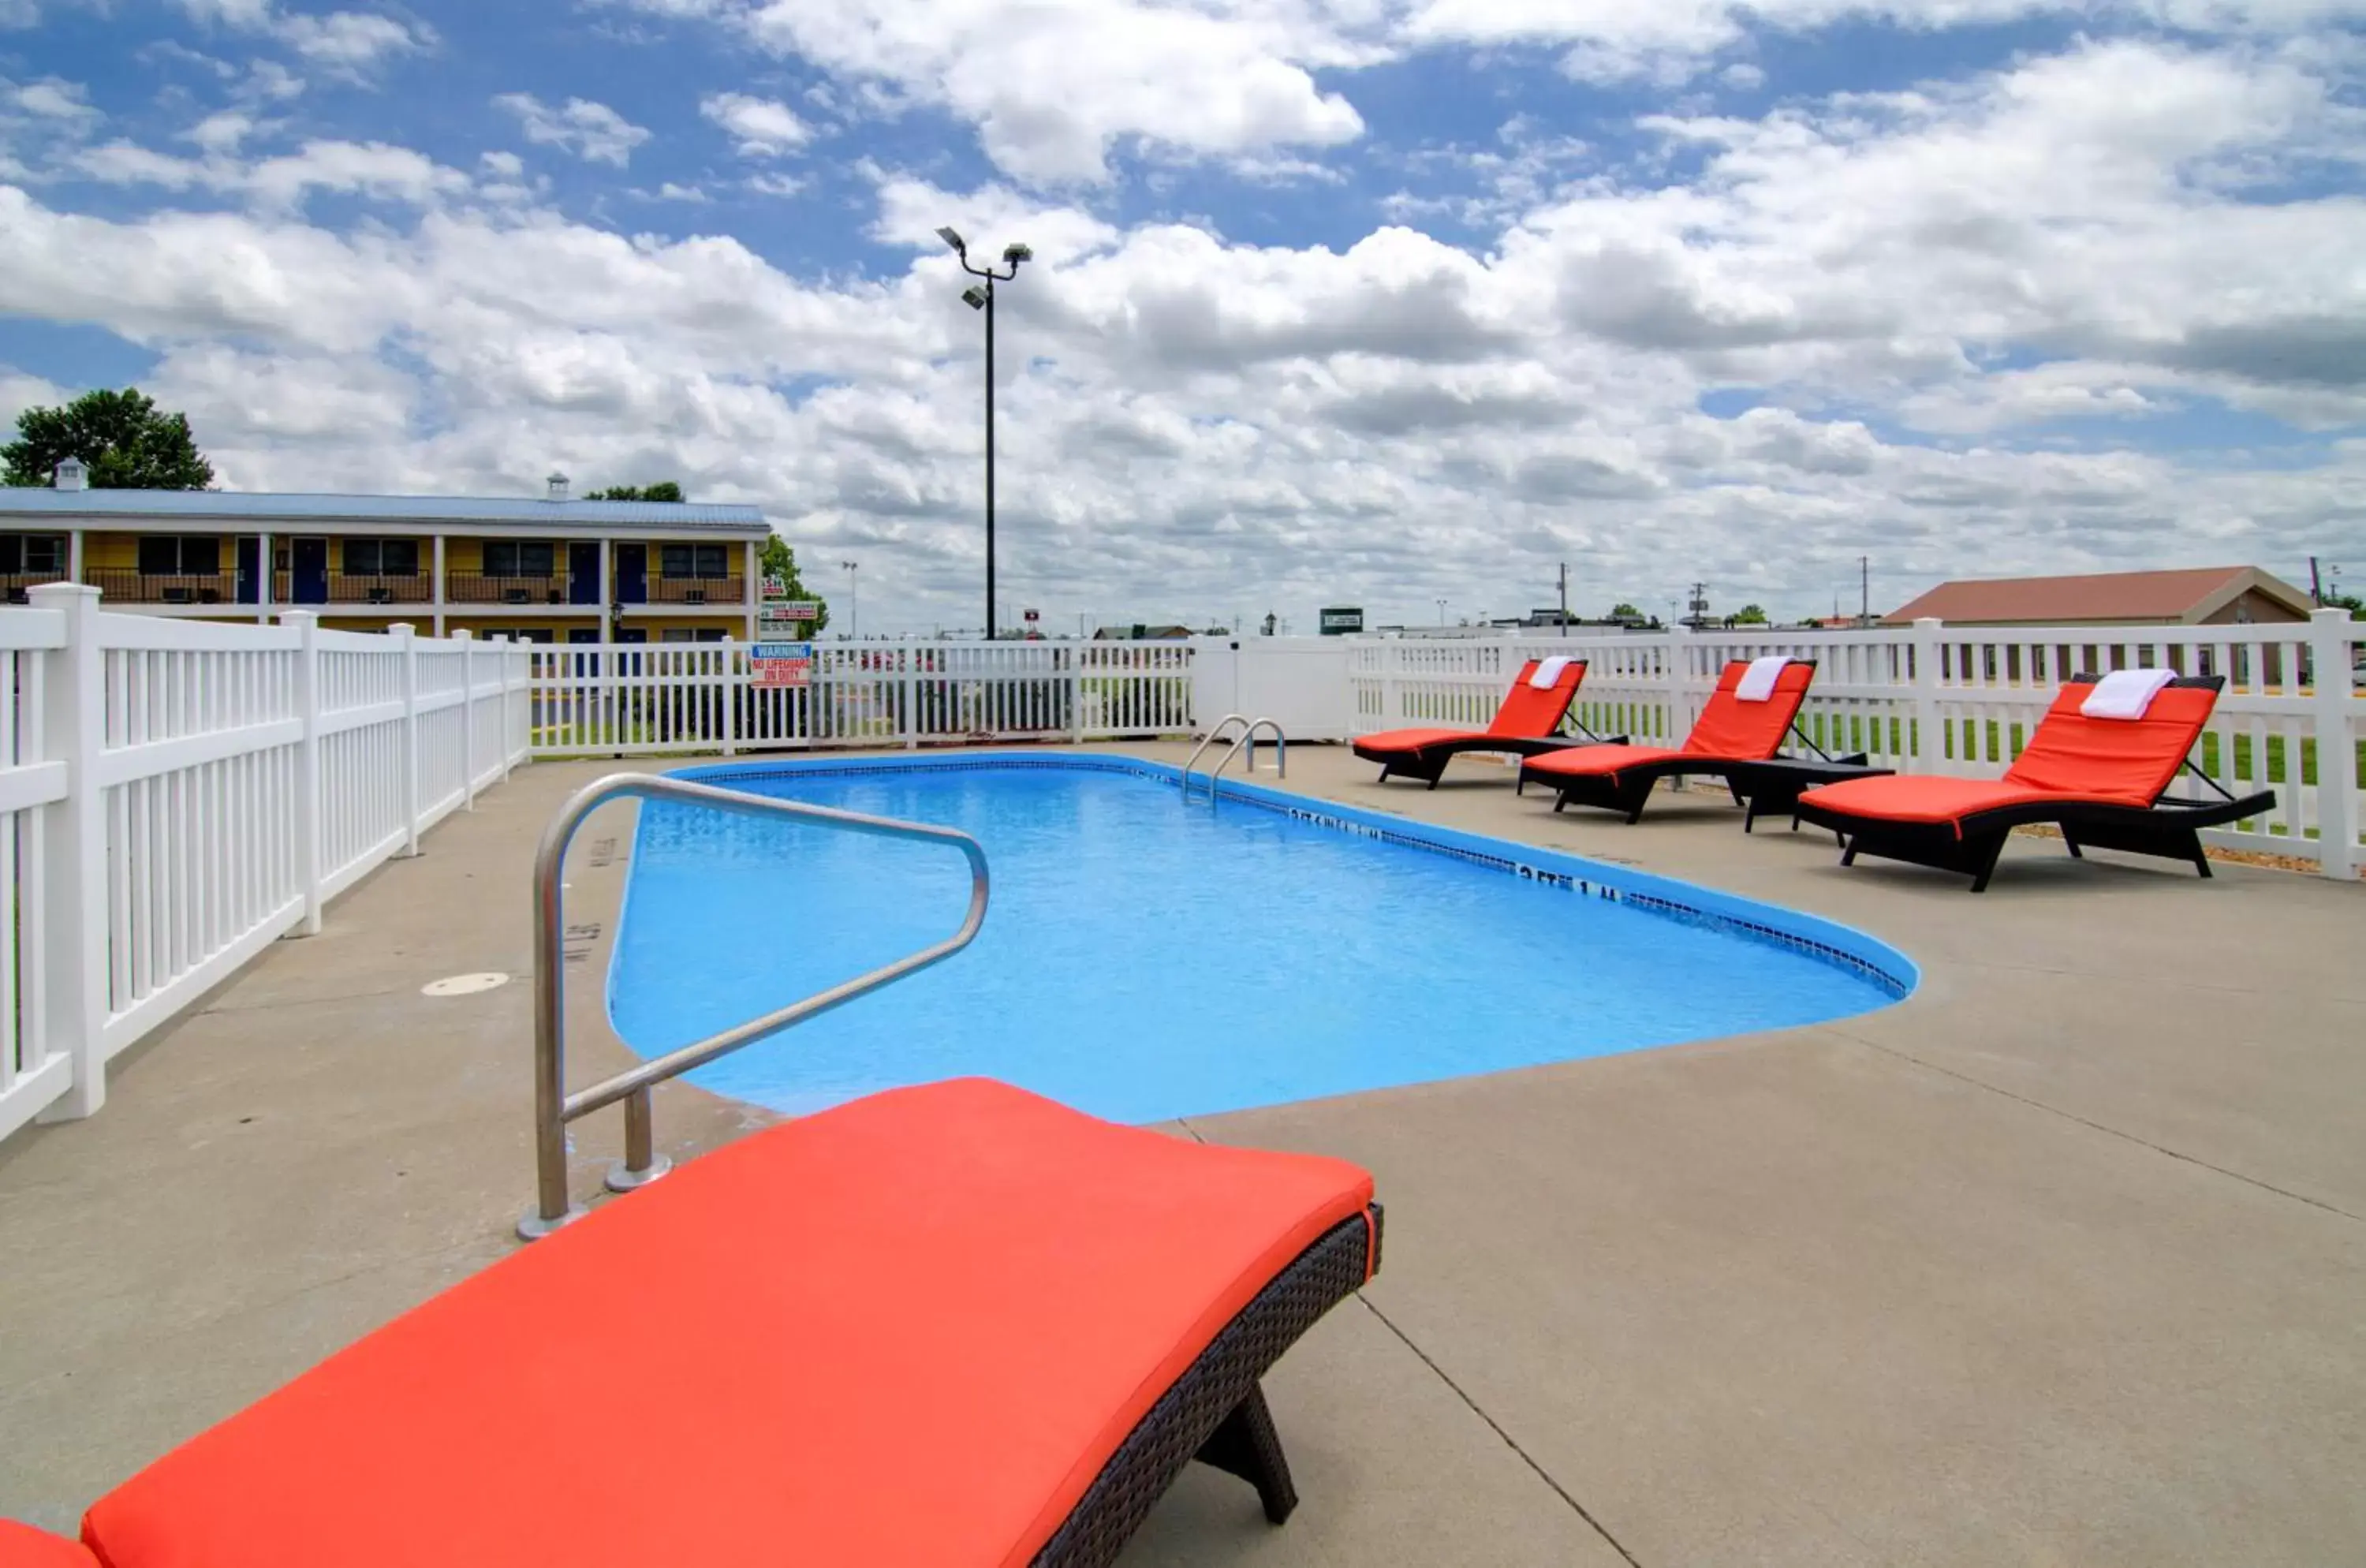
955 1324
2101 780
1619 777
1524 725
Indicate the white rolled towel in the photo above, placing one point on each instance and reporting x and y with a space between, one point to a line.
1548 672
1758 681
2125 694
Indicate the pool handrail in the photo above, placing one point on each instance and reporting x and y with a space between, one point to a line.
1247 736
554 1108
1248 739
1215 733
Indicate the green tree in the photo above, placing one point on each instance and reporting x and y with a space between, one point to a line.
2349 601
1748 615
664 490
781 561
1623 611
124 440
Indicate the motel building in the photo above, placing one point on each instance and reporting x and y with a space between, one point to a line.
552 570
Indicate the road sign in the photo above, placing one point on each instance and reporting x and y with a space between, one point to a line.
1338 621
1034 615
782 663
775 587
786 620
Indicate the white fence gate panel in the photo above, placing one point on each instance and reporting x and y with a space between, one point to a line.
175 795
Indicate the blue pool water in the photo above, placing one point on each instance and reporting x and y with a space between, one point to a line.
1147 958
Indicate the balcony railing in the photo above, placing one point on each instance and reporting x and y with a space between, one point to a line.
128 587
476 588
416 588
697 590
14 583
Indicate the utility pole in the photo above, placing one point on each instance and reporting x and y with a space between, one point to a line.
1564 598
1865 591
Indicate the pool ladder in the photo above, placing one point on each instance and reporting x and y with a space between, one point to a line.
554 1108
1247 736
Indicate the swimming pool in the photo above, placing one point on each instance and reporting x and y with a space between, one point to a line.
1148 957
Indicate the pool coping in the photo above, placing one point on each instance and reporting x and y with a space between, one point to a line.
1844 947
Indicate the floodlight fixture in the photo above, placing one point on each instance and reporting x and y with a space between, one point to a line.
951 236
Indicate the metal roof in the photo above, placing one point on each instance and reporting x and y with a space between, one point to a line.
265 506
2168 598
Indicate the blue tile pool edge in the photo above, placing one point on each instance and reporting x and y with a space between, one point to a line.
1865 956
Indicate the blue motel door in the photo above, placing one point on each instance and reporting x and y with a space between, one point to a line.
632 581
307 561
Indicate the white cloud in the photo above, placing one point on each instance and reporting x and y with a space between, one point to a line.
344 43
370 169
764 127
221 133
592 131
54 99
1053 85
352 41
19 391
1923 289
670 191
912 210
267 81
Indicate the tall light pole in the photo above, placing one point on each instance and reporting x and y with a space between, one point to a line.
853 604
1441 614
983 299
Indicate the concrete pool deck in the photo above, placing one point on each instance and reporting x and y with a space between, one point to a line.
2058 1262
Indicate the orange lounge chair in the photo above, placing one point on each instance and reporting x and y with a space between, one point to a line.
1523 726
2101 780
1619 777
948 1326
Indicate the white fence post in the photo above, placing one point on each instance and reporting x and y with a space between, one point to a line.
467 720
73 850
1679 676
308 803
405 642
2336 750
1929 756
727 691
511 661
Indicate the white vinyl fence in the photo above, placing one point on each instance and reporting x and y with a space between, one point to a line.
1925 698
639 699
175 795
1934 699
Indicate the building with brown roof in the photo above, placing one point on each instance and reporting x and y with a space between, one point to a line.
2218 596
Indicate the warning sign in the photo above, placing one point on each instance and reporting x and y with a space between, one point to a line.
782 663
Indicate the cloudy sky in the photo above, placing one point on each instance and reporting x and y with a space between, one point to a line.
1336 301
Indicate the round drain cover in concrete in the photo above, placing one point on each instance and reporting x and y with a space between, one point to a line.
464 985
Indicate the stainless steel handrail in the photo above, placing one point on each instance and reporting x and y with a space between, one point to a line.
1215 733
554 1108
1248 739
